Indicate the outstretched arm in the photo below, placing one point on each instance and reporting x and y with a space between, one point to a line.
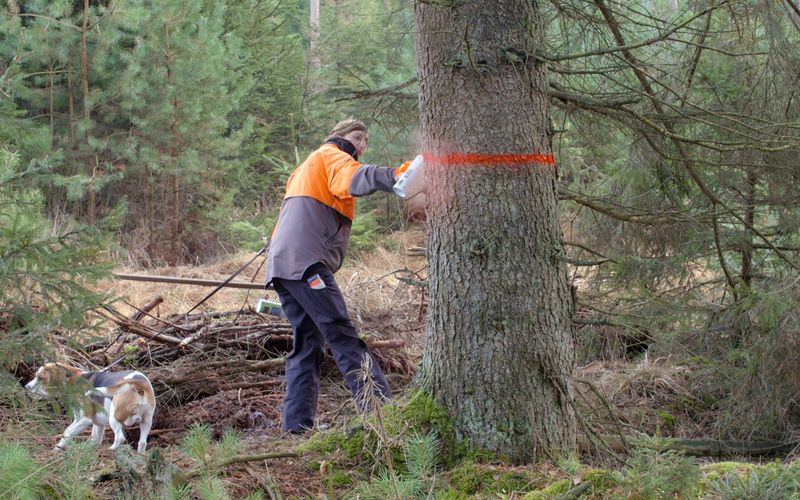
370 178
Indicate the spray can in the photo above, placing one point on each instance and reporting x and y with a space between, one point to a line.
266 306
411 182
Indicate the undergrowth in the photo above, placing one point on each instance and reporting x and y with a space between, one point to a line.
415 467
60 476
381 461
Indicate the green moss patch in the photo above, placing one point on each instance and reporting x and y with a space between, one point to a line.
553 490
334 441
474 479
421 413
746 480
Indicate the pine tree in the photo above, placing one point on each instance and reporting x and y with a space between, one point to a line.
137 96
46 270
180 80
678 133
499 354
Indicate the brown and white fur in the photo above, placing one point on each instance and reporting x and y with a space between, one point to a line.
115 399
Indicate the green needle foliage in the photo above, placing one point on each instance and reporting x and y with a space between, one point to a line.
19 472
49 266
421 458
45 271
422 455
677 158
62 476
198 444
769 481
650 473
193 114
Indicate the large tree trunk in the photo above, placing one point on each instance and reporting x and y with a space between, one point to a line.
499 353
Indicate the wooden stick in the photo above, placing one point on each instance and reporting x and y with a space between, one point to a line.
238 459
250 385
250 337
191 338
706 447
189 281
137 328
219 368
384 344
266 364
141 312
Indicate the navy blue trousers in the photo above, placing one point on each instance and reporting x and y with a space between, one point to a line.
316 309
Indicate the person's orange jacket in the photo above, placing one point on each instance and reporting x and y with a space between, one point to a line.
325 176
317 211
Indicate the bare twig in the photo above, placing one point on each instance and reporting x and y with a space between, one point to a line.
240 459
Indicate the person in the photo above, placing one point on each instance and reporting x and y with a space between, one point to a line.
307 247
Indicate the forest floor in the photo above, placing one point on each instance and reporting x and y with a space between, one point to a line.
217 379
382 307
230 376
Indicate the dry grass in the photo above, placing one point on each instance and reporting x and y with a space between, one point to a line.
377 297
639 397
180 298
369 283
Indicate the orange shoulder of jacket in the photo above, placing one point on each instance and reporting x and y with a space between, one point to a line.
325 176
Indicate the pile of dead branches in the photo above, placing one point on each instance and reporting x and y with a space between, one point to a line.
209 358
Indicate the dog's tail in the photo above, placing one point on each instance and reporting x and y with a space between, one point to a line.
135 395
142 387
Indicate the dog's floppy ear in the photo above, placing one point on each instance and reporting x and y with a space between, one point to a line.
68 373
52 374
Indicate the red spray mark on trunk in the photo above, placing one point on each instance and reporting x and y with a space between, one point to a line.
489 159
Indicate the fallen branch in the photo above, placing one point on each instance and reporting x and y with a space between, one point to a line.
705 447
254 336
255 332
577 491
384 344
141 312
138 314
250 385
205 370
189 281
266 364
239 459
136 328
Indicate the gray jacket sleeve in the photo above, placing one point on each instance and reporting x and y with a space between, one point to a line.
371 178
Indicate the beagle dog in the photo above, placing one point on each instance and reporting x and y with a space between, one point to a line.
115 399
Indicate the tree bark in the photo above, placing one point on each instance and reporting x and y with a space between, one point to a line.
750 219
313 45
173 222
499 352
71 103
90 201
